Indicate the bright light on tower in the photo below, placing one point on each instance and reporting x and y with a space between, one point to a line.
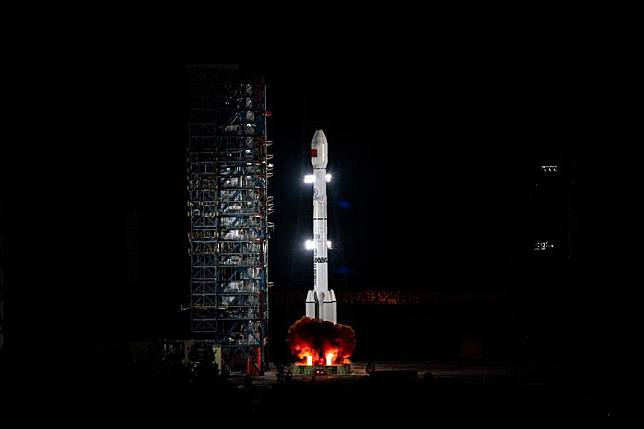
329 245
309 244
309 178
328 177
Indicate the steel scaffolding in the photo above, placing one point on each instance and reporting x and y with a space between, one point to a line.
228 172
1 295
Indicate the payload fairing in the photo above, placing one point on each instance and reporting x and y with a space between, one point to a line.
320 302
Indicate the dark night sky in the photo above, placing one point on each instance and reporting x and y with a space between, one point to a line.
433 162
431 186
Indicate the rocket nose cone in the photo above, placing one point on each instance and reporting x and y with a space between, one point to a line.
318 138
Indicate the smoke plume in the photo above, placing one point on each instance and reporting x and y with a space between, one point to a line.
321 339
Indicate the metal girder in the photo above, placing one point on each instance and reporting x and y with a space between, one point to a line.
228 207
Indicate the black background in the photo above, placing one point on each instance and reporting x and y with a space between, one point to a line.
434 153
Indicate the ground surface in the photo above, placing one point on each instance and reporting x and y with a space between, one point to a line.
403 391
431 390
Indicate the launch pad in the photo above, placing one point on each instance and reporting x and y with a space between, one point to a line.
311 370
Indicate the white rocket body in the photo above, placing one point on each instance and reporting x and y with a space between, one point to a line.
320 302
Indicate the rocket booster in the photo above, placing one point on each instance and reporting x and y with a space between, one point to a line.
320 302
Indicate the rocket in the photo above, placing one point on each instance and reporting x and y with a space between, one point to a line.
320 302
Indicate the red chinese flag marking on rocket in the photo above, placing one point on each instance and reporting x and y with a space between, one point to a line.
314 152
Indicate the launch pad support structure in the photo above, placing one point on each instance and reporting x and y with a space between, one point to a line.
228 171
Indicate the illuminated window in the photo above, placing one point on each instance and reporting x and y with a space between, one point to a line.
543 245
550 168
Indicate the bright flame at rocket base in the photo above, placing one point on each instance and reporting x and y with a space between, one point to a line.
318 342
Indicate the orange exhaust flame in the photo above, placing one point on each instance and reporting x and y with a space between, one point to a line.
315 342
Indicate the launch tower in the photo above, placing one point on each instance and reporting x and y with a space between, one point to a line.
229 167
